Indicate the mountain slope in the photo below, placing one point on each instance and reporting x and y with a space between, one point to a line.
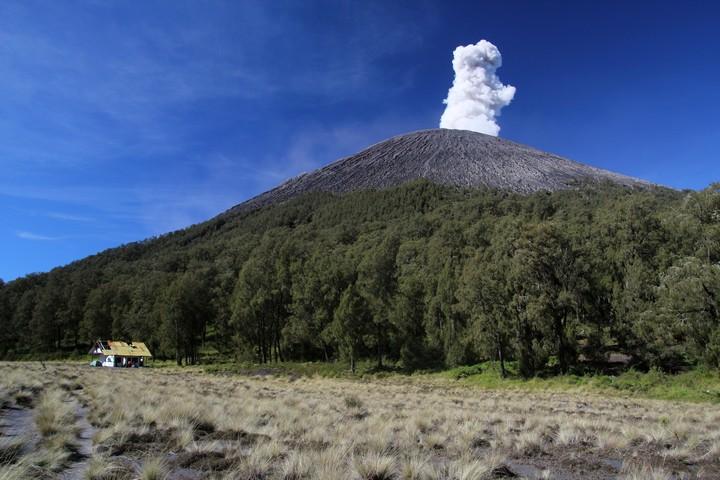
448 157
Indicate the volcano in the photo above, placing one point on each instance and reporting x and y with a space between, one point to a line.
458 158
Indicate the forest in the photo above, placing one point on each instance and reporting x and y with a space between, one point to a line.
418 277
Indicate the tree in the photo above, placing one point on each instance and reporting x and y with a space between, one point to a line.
407 317
250 303
377 280
121 311
76 292
704 207
316 291
6 340
490 274
22 319
350 324
684 323
145 314
186 308
48 318
97 316
446 322
555 285
633 239
261 301
486 295
632 296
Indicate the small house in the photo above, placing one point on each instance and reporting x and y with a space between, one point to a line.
112 353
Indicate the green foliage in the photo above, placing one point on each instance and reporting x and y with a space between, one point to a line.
407 320
186 309
469 370
553 280
351 323
684 322
697 385
419 277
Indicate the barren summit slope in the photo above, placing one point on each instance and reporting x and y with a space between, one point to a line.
449 157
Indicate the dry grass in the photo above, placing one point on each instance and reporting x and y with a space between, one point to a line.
153 422
154 469
54 414
10 448
44 413
21 470
103 468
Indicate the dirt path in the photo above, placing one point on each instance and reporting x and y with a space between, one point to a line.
17 421
83 447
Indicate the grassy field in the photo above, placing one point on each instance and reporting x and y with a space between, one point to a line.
73 421
696 385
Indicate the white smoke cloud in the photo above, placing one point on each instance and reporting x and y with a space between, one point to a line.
477 95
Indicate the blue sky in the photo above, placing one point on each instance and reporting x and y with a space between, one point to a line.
124 120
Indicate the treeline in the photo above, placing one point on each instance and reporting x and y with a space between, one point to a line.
422 276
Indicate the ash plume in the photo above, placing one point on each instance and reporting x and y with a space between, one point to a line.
477 95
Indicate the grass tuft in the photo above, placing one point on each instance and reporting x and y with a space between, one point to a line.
21 470
417 468
297 466
10 449
353 401
53 414
154 469
647 472
102 468
375 466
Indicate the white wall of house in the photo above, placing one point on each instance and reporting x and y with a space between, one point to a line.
112 361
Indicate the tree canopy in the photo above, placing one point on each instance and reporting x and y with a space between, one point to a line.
420 275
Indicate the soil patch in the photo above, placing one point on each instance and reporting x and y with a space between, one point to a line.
82 450
18 423
236 436
154 440
205 461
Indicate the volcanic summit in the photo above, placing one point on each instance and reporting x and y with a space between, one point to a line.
458 158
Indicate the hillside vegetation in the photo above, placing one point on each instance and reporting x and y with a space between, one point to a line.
420 276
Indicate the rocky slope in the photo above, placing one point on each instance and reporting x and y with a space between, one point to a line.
449 157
